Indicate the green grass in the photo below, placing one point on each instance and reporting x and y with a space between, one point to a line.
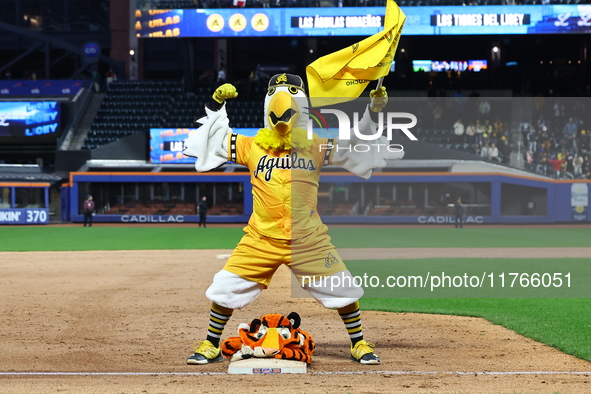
99 237
563 323
102 237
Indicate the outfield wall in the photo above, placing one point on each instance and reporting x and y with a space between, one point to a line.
418 198
24 203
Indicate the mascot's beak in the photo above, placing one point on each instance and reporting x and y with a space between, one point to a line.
270 345
283 114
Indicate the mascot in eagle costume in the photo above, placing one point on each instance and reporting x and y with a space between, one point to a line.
285 228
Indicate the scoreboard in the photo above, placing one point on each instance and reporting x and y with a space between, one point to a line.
167 145
30 119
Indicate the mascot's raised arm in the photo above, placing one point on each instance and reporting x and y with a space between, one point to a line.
209 144
285 119
285 227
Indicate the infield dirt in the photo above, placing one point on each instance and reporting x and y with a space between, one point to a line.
140 311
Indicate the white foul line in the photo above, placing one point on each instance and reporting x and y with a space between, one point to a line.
309 373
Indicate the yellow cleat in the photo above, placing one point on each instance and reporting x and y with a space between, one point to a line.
205 353
363 353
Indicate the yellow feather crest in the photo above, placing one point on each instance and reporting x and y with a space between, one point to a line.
296 139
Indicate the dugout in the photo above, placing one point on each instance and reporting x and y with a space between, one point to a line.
386 198
160 197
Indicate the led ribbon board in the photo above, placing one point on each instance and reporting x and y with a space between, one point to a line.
363 21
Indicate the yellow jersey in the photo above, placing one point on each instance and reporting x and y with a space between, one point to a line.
284 185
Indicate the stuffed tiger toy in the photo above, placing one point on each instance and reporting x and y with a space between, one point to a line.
271 336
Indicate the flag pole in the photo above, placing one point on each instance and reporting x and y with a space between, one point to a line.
379 83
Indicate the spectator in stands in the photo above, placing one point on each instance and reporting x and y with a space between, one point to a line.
486 139
533 140
110 77
505 150
570 163
585 140
88 208
479 132
222 74
528 158
494 153
544 140
499 126
202 209
558 110
570 128
580 127
458 128
556 164
543 164
484 109
542 124
485 152
578 166
568 142
96 80
8 75
487 127
525 128
459 212
495 137
470 132
586 168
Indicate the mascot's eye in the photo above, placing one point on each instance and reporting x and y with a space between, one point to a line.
261 333
293 90
285 333
271 91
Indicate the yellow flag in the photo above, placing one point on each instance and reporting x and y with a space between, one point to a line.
343 75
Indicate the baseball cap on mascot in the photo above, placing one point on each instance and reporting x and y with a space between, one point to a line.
286 104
